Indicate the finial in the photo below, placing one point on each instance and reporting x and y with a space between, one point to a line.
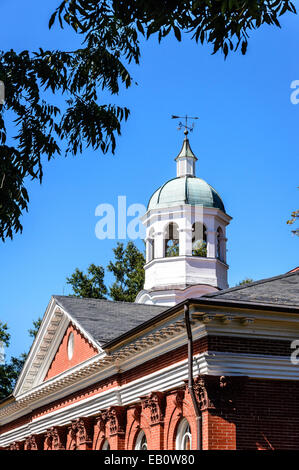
186 158
187 128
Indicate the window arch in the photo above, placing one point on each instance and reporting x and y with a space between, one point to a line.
106 445
171 240
141 441
199 240
70 345
183 436
220 244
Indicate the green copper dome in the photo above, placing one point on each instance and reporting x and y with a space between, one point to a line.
185 190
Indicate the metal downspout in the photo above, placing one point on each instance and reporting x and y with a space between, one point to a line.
190 378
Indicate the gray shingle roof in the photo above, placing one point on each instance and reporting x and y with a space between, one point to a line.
106 320
279 290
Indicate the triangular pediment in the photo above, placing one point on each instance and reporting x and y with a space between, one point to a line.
49 354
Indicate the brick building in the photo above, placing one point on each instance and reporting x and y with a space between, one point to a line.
192 364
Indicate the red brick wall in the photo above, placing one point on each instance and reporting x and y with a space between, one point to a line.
212 343
266 414
83 350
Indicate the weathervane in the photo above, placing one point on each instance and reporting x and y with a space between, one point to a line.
186 123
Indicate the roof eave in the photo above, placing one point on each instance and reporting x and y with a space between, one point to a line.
202 302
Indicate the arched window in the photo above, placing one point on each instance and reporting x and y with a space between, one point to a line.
220 245
141 442
106 445
70 346
171 237
199 240
184 436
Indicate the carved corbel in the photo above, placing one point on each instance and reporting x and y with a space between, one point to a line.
84 431
155 402
33 442
58 438
15 446
116 416
217 392
100 422
178 399
72 436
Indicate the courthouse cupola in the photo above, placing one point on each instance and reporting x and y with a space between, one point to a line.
185 237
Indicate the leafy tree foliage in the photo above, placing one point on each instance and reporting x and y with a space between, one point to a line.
295 217
127 268
224 23
199 248
36 325
110 32
4 335
41 127
128 272
247 280
90 284
9 372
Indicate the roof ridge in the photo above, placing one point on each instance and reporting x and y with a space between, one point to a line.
249 284
103 300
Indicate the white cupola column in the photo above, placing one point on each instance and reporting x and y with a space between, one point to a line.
185 161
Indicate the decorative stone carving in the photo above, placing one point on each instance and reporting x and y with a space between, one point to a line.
72 436
115 416
55 439
156 404
100 422
15 446
217 392
137 413
80 433
178 399
33 442
84 431
58 438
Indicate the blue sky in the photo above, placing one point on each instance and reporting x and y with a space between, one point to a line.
246 141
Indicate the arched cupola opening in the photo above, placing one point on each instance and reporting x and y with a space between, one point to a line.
171 240
199 240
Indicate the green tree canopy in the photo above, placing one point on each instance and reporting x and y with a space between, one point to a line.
247 280
127 268
9 372
90 284
110 33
